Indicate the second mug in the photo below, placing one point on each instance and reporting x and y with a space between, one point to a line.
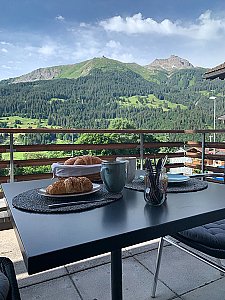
131 163
113 174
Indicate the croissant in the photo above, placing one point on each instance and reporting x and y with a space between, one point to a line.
83 160
70 185
57 188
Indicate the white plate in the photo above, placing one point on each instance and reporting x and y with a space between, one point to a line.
177 178
173 178
96 187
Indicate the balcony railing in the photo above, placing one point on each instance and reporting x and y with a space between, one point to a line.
201 159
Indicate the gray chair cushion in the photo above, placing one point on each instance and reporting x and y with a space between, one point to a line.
4 286
209 238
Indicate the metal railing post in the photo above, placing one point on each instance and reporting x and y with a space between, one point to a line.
203 152
72 143
141 149
11 158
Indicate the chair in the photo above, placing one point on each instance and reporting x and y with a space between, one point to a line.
208 239
8 277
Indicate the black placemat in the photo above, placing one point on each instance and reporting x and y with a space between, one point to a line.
193 185
34 202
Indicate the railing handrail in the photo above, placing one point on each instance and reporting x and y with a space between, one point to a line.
69 147
130 131
141 145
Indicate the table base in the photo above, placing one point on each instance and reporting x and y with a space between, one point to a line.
116 275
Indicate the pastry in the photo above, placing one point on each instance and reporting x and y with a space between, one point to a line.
57 188
70 185
70 161
78 185
83 160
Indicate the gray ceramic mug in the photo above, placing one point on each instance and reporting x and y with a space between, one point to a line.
113 174
131 163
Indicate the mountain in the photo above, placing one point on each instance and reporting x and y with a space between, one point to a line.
170 64
155 72
83 69
92 93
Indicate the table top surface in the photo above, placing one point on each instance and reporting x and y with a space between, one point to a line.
51 240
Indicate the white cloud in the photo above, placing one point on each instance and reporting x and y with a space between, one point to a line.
4 50
47 50
137 24
113 44
83 24
4 43
6 67
205 27
131 39
60 18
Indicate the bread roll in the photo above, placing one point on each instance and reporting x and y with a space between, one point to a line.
70 161
70 185
83 160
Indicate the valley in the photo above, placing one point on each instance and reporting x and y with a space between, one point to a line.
167 94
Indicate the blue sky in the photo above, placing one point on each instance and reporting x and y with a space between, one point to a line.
38 33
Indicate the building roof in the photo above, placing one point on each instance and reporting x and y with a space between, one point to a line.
216 72
222 118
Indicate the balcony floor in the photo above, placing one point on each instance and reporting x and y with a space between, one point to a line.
181 276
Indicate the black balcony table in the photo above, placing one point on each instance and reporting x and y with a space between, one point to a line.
51 240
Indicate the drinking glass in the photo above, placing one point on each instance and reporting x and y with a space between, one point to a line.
155 191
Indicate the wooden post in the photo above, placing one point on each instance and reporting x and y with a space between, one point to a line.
11 166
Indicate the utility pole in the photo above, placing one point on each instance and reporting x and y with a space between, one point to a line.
214 122
214 116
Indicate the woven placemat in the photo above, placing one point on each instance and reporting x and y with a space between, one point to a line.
193 185
32 201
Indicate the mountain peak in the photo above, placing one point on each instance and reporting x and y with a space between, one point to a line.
170 64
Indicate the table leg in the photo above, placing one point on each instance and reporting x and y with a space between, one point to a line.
116 275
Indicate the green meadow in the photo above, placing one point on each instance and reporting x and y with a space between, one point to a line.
20 122
150 101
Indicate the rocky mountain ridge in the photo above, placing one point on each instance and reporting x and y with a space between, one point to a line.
39 74
73 71
170 64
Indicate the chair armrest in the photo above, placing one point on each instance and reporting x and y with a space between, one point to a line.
7 268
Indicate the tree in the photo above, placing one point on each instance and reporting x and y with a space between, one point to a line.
115 138
119 123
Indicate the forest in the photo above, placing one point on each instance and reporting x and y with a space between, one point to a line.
94 100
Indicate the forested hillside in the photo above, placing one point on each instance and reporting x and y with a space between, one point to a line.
178 100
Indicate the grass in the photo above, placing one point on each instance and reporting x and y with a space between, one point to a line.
151 75
56 99
204 93
16 155
23 123
20 122
33 155
150 101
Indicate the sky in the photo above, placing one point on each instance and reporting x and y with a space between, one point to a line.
43 33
